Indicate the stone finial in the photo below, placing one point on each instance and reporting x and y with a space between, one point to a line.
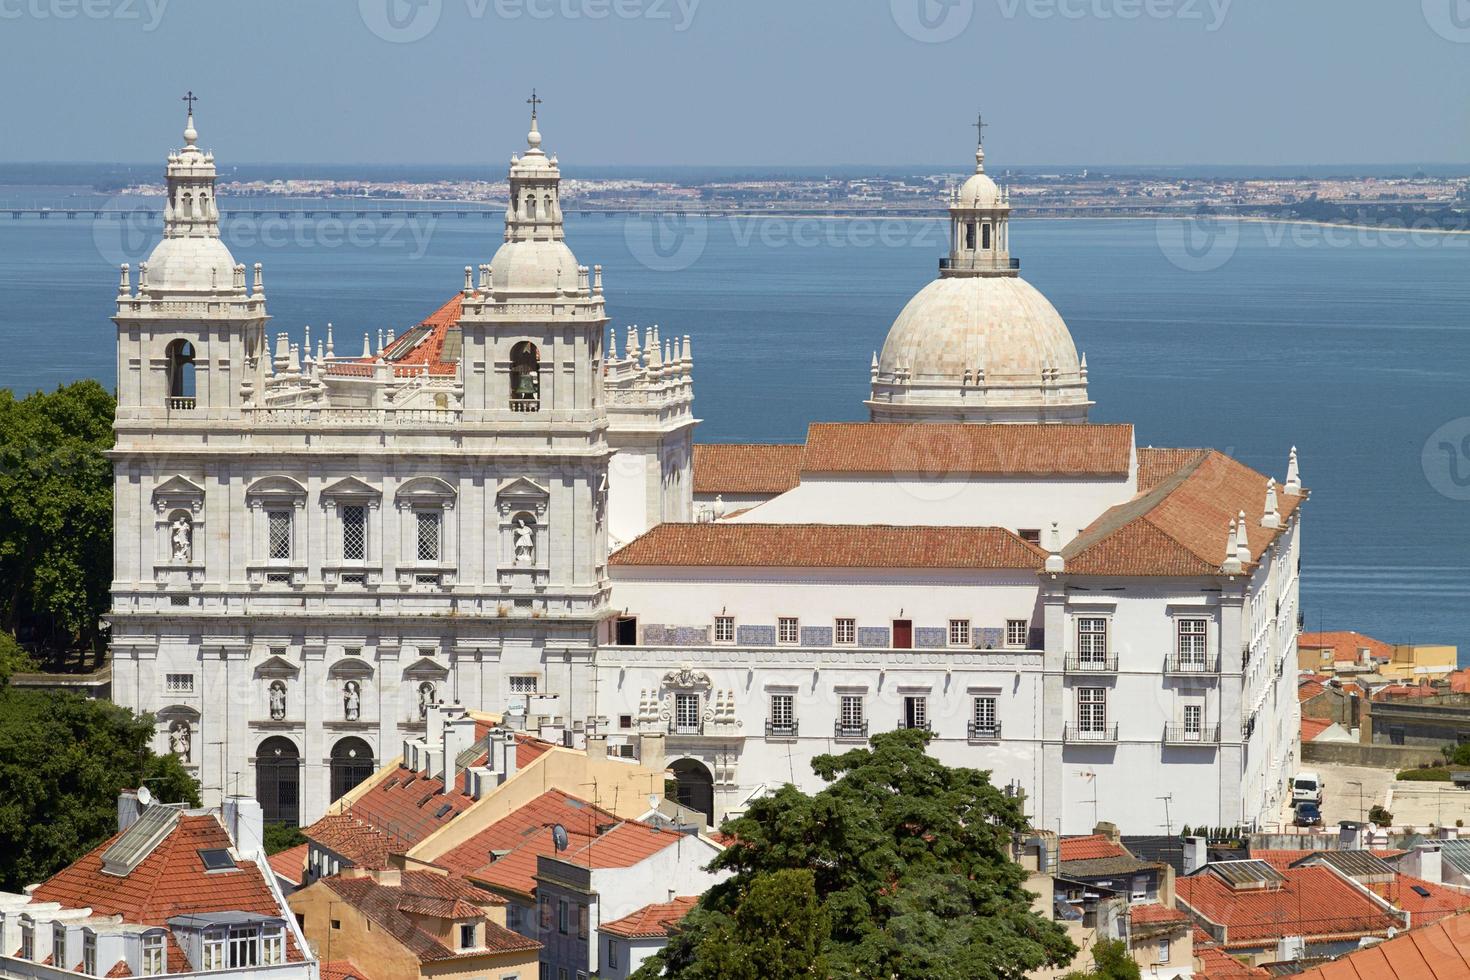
392 336
380 340
1231 565
597 280
307 344
1272 514
1083 366
1055 563
293 365
634 350
331 348
873 368
1293 486
669 358
612 344
259 291
125 282
367 346
469 280
1242 541
654 361
282 359
688 350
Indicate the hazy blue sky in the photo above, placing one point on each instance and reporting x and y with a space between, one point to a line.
651 82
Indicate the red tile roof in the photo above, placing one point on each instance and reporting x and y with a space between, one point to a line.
1157 465
1313 901
1280 859
651 921
829 546
1179 527
342 970
1312 727
1439 952
746 468
119 969
290 863
393 907
1088 848
942 449
1309 687
1216 964
1156 914
1425 909
1402 692
170 881
1345 644
1459 681
355 840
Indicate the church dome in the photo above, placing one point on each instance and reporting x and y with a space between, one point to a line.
999 324
979 191
533 267
191 265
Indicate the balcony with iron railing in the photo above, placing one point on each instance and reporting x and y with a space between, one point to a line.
1191 734
781 729
857 729
1090 735
1193 664
1091 663
983 732
916 725
686 728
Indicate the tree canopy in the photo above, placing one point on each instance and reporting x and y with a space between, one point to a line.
63 761
56 515
900 868
1110 961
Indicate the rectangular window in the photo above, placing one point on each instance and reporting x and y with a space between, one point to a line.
845 631
467 935
214 951
273 946
984 715
428 524
523 684
1092 641
724 629
354 533
851 721
278 524
788 630
179 683
1031 535
686 713
244 943
513 917
612 954
916 711
27 941
959 632
1194 720
1017 632
1164 951
58 946
1193 642
783 714
89 955
153 963
545 915
582 921
1092 710
561 916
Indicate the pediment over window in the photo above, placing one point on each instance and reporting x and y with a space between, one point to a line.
427 669
351 486
425 490
350 667
277 667
522 494
178 712
275 486
178 486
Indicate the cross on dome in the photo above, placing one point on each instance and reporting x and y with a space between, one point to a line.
533 102
190 133
980 125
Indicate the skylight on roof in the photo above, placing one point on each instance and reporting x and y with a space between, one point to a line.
217 859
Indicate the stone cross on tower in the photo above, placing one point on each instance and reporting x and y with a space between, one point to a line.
980 125
190 98
533 102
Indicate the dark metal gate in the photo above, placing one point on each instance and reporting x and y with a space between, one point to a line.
278 781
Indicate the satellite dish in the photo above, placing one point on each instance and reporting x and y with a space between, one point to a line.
144 797
653 801
559 837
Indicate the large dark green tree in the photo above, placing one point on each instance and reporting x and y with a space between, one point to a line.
56 515
1110 961
910 876
63 761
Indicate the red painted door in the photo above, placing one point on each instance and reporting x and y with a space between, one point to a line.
903 634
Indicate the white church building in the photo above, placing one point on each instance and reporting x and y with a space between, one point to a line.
497 508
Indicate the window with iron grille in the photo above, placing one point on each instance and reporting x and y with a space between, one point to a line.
788 630
278 523
959 632
354 533
1092 640
428 522
724 629
783 712
686 712
1017 632
846 631
984 713
523 684
852 711
1193 642
179 683
1092 709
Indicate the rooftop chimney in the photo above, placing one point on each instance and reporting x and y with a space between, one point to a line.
128 809
246 825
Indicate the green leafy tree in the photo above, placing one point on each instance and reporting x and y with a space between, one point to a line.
13 659
282 837
63 760
1380 816
56 515
911 877
1110 961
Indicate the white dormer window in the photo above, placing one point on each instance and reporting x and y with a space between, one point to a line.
89 954
214 950
27 941
244 941
154 959
273 945
58 946
467 935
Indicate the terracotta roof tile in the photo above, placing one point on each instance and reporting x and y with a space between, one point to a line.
357 841
1312 901
384 905
1425 909
1178 528
405 807
746 468
1157 465
651 921
1155 914
1216 964
342 970
1279 858
1312 727
937 449
1438 952
120 969
1344 644
290 863
1402 692
1088 848
829 546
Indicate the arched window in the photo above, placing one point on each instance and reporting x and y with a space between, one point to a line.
180 356
694 787
352 762
970 235
531 206
548 205
525 378
278 780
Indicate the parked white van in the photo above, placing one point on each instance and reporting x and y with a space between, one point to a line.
1306 788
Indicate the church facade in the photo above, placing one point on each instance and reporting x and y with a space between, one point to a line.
498 508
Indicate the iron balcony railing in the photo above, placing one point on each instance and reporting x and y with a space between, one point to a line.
1191 663
1091 735
922 726
1092 663
781 729
857 729
988 732
681 728
1192 735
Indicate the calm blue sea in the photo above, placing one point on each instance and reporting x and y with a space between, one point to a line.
1354 346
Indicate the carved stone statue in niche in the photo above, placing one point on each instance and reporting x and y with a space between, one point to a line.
525 541
181 534
180 740
278 700
426 698
351 700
